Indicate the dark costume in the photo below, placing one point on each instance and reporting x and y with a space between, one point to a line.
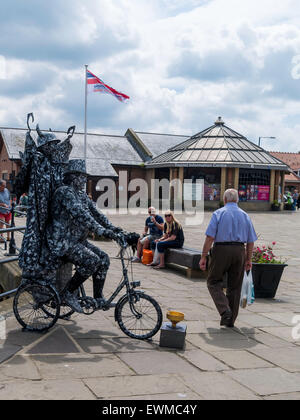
60 216
74 215
41 174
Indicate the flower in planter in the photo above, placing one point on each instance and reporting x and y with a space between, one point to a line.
265 255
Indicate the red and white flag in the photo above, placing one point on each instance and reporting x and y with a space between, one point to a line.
95 84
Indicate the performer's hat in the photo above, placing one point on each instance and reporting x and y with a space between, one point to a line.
45 138
76 166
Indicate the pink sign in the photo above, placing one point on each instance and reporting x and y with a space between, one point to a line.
263 193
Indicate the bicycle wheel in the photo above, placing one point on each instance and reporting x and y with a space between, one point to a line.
65 310
139 316
29 306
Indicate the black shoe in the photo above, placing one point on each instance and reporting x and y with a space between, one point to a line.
226 319
101 303
71 300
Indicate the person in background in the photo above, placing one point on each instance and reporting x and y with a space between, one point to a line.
173 237
230 228
23 202
295 198
5 207
153 225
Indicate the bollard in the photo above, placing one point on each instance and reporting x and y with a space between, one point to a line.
12 243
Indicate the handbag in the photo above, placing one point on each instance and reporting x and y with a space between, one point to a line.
247 292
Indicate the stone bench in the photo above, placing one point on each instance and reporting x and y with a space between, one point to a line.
185 258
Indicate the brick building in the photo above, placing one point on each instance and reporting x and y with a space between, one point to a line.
218 155
10 162
292 180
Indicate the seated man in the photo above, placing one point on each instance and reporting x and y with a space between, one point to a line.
73 215
155 225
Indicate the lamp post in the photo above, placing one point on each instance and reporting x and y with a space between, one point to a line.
265 138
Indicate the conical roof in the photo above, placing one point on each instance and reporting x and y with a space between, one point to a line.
218 146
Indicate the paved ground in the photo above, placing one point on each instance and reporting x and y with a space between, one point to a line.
90 357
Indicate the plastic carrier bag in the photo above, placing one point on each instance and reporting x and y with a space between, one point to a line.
247 293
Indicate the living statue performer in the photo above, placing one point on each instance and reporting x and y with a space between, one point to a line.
41 174
74 215
60 215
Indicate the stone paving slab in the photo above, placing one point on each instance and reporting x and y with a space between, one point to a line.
8 350
270 340
258 320
217 342
113 345
292 396
242 359
133 386
217 386
201 327
20 367
147 363
284 318
288 358
80 366
57 389
284 333
162 397
204 361
56 341
267 381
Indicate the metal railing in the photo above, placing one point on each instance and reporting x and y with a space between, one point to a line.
12 252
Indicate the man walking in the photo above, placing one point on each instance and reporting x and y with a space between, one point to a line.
230 228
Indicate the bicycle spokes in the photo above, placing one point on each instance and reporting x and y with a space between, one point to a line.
140 317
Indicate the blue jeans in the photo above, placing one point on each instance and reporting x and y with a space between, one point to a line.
161 246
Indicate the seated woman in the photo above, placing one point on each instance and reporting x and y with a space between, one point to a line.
172 238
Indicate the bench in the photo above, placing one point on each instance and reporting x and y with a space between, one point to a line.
187 258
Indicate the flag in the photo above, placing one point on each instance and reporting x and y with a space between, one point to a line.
97 85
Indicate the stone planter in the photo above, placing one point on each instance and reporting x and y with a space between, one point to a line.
266 278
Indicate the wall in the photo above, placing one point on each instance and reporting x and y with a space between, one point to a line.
132 173
255 206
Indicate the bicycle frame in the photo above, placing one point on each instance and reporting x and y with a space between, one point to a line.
125 282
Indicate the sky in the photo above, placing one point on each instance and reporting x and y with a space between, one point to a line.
182 62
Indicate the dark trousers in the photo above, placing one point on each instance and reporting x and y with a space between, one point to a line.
89 261
226 259
163 245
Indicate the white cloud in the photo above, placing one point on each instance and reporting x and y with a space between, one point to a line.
182 64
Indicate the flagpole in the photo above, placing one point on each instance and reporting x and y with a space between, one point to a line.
85 114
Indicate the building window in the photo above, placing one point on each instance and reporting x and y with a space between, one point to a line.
254 185
211 178
5 176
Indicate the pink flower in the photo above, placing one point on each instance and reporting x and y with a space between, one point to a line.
273 243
